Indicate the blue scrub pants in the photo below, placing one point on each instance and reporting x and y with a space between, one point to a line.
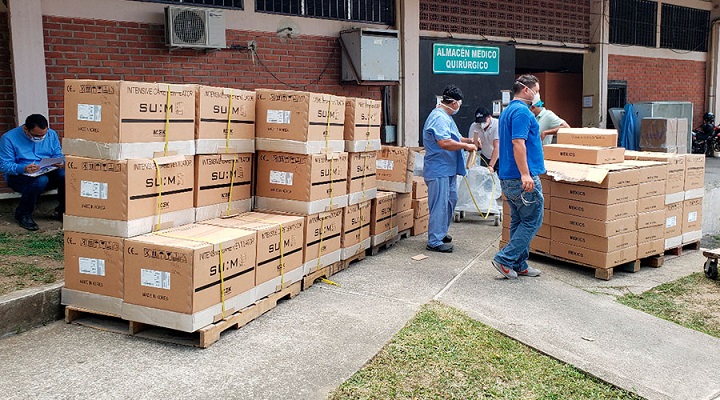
442 198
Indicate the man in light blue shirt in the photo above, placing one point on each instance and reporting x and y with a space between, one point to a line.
21 150
443 162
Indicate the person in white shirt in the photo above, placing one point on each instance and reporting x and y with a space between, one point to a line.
485 132
549 122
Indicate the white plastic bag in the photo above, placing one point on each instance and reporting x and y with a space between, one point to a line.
485 189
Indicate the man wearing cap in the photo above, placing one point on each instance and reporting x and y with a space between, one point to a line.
443 162
521 163
485 131
549 122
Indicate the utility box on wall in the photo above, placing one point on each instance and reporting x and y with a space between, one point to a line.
370 56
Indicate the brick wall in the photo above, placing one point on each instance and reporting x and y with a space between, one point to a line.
661 79
96 49
554 20
7 98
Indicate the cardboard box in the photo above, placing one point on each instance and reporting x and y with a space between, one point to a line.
651 219
651 248
594 211
695 172
650 189
356 229
94 263
271 250
545 230
682 135
394 170
675 179
214 176
593 258
583 154
180 270
362 179
299 122
298 183
382 213
322 239
619 176
654 203
588 137
540 245
122 198
598 243
117 120
594 195
545 183
108 305
405 220
651 234
420 225
593 226
692 215
419 189
420 207
673 220
403 202
649 171
225 120
658 134
362 124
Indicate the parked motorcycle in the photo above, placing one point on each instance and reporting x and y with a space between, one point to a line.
706 138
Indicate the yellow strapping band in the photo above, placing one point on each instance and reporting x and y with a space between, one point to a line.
159 201
367 144
322 231
227 134
167 121
327 151
492 195
232 183
282 259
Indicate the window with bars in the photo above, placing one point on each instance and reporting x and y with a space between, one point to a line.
373 11
633 22
684 28
235 4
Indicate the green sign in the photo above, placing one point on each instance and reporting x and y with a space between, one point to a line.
462 59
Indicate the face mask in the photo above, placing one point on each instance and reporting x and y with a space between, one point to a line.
485 125
536 95
536 99
453 111
37 139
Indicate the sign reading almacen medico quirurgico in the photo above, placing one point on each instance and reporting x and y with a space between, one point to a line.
464 59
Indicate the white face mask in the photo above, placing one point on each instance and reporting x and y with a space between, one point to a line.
452 110
485 125
536 95
536 99
38 139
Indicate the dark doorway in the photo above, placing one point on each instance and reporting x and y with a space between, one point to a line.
616 98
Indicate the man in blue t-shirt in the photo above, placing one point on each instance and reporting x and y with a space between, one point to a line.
21 150
443 162
521 161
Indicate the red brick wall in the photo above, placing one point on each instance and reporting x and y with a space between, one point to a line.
662 80
555 20
96 49
7 98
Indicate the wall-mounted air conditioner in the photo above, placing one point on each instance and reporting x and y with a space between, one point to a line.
200 28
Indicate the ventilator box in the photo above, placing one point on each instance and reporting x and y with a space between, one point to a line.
419 189
403 202
602 228
356 229
188 277
394 169
694 176
594 195
225 120
299 122
420 225
93 272
362 124
128 197
673 224
420 207
361 180
603 244
573 153
299 183
217 178
675 177
383 224
593 258
280 244
117 120
588 137
692 220
322 239
594 211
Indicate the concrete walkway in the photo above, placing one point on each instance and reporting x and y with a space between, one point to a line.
308 346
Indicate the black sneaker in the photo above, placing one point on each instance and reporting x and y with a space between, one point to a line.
443 248
27 222
447 239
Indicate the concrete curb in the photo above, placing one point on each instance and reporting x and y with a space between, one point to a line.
30 308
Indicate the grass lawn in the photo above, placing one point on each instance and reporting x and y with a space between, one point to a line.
30 259
692 301
444 354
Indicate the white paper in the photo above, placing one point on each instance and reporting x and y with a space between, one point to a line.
386 165
281 178
94 190
155 279
278 117
692 217
670 222
48 162
89 112
92 266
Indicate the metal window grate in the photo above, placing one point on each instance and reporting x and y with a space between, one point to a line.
633 22
684 28
374 11
616 98
236 4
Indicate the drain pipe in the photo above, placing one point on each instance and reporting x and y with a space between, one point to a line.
712 86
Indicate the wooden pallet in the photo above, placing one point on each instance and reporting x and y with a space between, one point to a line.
656 261
405 234
320 273
600 273
372 251
357 257
678 251
203 337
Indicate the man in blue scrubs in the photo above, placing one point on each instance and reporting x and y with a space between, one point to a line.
521 161
443 162
21 150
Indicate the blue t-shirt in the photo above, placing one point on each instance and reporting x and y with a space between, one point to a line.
439 162
17 150
518 122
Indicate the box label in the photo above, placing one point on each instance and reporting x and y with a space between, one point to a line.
278 116
692 217
89 112
671 221
94 190
281 178
155 279
386 165
92 266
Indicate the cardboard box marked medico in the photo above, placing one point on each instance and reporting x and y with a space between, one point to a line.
220 109
591 257
675 179
122 198
362 124
650 219
594 195
592 242
654 203
394 169
594 211
593 226
651 248
362 179
588 137
583 154
405 220
619 175
649 171
650 234
420 189
179 269
299 122
119 120
214 174
673 220
300 183
356 229
692 215
94 263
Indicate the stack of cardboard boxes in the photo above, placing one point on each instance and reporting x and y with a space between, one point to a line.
421 212
664 135
394 168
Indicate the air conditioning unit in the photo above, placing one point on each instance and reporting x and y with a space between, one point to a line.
200 28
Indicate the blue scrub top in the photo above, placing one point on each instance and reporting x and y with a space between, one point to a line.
518 122
439 162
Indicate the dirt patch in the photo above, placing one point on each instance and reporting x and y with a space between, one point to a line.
22 272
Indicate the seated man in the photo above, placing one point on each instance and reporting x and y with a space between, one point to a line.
21 150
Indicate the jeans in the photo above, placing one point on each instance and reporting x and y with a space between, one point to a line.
442 198
526 216
31 187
